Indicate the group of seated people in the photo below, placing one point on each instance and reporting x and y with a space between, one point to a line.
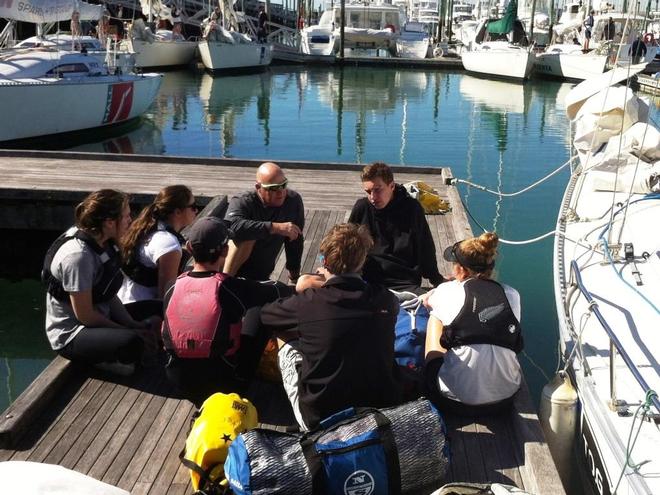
121 293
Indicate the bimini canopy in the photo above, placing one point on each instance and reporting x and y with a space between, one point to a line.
506 23
42 11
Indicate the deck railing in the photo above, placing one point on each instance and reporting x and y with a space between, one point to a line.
615 343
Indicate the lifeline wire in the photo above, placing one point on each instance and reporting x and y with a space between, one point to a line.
606 248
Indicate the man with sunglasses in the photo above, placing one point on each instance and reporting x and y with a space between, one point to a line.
404 250
262 221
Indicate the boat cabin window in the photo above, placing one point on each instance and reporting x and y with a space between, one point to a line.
374 20
68 69
391 18
353 20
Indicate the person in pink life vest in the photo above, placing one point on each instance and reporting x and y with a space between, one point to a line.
207 347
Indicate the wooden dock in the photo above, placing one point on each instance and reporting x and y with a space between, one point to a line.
285 55
128 431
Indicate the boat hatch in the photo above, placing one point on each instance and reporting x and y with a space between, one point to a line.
320 39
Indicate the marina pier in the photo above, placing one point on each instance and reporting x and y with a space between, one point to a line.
129 431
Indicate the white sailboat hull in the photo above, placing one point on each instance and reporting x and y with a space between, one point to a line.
218 56
66 105
591 217
574 65
317 40
160 53
506 61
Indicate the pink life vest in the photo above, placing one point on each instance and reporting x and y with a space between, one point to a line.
192 317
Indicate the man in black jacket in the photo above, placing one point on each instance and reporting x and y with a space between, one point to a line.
340 333
403 251
263 220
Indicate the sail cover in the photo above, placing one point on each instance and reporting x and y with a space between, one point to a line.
155 9
505 24
40 11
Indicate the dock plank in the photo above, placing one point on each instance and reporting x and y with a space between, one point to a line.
83 423
60 427
128 432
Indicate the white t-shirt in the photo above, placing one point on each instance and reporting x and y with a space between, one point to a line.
157 244
475 374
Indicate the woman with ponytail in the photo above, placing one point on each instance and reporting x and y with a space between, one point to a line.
85 321
473 334
152 250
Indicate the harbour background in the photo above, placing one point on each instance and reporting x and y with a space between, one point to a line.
500 135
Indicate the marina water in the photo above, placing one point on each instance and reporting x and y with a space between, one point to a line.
500 135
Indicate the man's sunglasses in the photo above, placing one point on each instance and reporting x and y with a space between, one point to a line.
193 206
275 187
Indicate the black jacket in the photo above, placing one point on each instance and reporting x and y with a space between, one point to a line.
249 219
403 251
346 337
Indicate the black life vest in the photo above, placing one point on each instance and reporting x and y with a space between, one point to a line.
148 275
105 287
486 318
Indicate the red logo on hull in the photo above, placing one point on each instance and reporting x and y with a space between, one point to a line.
119 103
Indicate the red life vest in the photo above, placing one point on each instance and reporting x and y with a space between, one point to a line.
192 317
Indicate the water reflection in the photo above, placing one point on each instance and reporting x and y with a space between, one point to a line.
144 138
177 93
497 96
225 99
372 90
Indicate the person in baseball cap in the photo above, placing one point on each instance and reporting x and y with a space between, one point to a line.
208 349
207 239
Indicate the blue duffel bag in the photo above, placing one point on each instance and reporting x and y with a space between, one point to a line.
396 450
410 334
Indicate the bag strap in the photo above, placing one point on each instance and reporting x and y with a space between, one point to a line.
206 484
287 430
383 424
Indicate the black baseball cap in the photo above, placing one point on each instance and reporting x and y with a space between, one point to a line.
208 236
454 254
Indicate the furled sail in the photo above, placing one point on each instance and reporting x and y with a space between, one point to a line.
155 9
505 24
41 11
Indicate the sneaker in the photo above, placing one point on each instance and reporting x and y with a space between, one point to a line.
116 368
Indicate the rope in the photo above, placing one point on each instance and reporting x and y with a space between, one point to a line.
608 254
509 195
538 367
644 408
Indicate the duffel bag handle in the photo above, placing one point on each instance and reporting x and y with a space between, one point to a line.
383 423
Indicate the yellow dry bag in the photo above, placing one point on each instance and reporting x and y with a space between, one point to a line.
219 421
428 197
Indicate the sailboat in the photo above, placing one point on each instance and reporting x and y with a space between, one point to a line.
48 91
162 48
612 35
369 26
500 48
230 49
607 283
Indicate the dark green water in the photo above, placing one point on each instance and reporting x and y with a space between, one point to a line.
497 134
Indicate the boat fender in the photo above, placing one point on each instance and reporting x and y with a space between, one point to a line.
558 417
391 27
